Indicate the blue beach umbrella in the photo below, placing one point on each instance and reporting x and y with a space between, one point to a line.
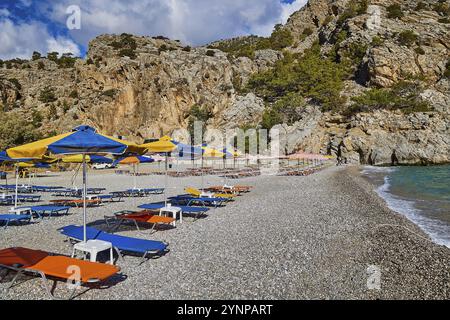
82 140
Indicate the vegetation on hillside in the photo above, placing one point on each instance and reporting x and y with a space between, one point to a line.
47 95
246 46
198 113
16 130
126 46
311 76
403 96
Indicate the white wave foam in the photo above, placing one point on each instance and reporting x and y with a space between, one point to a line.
438 232
373 169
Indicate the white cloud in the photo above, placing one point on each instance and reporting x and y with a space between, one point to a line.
4 13
290 8
192 21
195 22
26 3
62 45
21 39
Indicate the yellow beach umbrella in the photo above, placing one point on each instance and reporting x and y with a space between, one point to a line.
81 140
164 144
212 153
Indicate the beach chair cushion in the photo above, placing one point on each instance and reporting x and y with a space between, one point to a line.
54 265
14 217
184 209
120 242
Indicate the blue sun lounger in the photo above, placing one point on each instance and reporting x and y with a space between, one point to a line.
110 197
197 211
122 244
50 210
18 218
189 200
45 188
28 198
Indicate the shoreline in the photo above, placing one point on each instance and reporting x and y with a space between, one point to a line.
413 266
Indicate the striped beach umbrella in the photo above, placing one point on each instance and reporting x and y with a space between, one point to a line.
78 158
83 140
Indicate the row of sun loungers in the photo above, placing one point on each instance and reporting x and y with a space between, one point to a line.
74 192
300 171
34 212
10 199
138 192
93 274
29 189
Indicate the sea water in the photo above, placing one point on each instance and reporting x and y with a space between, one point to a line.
422 194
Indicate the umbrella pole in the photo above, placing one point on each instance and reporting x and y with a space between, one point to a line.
17 188
165 181
134 175
84 197
201 171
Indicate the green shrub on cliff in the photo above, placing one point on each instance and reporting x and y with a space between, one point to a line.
198 113
246 47
394 11
284 110
311 75
447 70
16 130
126 46
407 38
403 96
47 95
353 9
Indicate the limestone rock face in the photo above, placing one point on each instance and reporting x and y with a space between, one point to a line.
143 87
374 138
246 110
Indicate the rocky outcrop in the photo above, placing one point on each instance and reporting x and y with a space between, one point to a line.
245 110
143 87
381 137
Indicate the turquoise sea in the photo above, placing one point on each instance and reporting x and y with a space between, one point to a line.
422 194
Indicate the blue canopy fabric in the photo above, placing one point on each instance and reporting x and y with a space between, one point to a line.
5 158
99 159
186 151
85 139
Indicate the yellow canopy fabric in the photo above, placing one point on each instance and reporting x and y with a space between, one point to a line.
35 149
212 153
76 158
25 165
162 145
38 149
132 147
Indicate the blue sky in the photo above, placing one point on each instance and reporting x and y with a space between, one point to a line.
40 25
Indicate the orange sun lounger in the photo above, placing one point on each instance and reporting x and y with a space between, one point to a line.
145 216
44 264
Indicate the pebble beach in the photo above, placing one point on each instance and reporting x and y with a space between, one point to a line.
313 237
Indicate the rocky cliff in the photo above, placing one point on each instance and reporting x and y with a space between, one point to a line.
143 87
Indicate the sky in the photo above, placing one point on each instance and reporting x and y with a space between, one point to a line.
43 25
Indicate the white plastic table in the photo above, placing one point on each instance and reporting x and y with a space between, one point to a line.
173 210
92 197
93 247
23 210
207 195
